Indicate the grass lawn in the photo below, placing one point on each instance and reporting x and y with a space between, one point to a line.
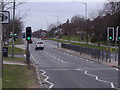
74 38
15 76
0 83
18 41
16 50
85 45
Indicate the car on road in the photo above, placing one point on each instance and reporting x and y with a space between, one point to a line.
39 45
30 41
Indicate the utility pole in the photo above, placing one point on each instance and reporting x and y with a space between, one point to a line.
13 29
1 58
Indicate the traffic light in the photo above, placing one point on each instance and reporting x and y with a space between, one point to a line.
110 34
28 33
118 33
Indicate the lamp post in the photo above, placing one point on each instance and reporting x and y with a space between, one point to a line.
58 28
13 29
85 15
1 57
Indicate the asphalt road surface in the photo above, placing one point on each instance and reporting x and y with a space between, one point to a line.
63 70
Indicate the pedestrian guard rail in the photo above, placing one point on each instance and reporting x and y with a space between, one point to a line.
94 53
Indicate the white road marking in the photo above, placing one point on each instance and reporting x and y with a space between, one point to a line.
97 78
46 79
87 60
68 54
62 61
117 69
38 76
64 53
65 62
24 55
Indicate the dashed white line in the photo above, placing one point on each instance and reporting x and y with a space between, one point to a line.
117 69
68 54
62 61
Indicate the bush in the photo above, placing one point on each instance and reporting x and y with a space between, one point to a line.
93 40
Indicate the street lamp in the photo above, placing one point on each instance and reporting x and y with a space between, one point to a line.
58 28
85 14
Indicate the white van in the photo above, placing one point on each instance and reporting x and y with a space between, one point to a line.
39 45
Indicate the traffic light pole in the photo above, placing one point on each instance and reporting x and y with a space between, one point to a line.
13 29
1 57
28 55
118 52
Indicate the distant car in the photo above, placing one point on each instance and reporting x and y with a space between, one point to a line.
39 45
43 38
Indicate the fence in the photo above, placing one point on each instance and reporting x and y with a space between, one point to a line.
93 53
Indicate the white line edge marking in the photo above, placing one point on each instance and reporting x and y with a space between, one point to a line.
24 55
46 79
117 69
97 78
62 61
37 72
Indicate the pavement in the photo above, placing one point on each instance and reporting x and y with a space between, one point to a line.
13 63
16 62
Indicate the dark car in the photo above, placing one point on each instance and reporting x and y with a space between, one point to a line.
30 41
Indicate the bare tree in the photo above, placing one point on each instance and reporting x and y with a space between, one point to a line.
111 8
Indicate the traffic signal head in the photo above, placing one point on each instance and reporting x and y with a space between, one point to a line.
118 33
28 33
110 34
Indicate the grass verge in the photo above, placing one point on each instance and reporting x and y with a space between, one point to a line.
16 50
18 41
85 45
15 76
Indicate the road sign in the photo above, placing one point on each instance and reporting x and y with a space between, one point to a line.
5 17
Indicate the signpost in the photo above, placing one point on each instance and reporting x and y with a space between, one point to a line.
5 17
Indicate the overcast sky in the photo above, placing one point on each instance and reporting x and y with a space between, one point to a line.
41 14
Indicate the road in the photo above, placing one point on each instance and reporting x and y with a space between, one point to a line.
63 70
